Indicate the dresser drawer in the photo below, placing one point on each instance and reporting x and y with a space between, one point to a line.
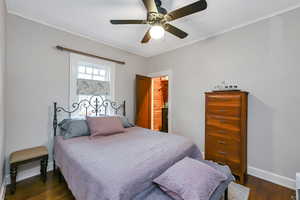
222 122
223 147
214 131
231 111
235 167
224 99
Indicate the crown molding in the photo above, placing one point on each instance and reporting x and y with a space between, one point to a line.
102 42
130 50
233 28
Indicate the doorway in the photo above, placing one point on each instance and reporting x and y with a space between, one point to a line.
153 102
159 108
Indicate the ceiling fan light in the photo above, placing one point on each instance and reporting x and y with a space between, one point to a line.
157 32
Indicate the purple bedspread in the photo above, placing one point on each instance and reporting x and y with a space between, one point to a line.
122 166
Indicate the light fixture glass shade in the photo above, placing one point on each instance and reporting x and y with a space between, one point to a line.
157 32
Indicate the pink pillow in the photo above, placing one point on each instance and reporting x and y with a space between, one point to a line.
104 126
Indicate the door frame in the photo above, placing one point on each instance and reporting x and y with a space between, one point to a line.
170 79
140 77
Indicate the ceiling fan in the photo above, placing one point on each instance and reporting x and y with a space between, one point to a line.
158 18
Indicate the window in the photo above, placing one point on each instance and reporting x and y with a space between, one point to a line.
90 77
92 72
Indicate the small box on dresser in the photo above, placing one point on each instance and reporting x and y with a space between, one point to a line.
226 130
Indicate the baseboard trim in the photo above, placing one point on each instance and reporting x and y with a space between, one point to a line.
272 177
269 176
2 191
25 174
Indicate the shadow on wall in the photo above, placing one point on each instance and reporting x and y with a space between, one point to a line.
260 134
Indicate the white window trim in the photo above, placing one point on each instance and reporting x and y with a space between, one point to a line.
73 71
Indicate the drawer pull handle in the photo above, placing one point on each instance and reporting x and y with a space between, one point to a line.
222 152
221 142
221 131
223 121
222 110
227 99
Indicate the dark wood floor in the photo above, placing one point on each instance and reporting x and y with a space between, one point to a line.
35 189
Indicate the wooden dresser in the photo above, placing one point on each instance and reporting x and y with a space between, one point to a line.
226 130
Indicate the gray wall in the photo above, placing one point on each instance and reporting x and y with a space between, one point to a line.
264 58
2 67
37 75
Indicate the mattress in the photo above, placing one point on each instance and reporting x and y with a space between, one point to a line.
121 166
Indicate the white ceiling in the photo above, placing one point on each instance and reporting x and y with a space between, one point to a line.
90 18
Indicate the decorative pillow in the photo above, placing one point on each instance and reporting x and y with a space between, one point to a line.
190 179
70 128
105 125
125 121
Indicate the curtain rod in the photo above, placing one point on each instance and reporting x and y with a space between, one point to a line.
88 54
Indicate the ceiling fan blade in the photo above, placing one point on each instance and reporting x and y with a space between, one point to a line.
150 5
187 10
116 22
175 31
147 37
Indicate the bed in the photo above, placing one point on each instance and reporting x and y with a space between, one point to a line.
122 166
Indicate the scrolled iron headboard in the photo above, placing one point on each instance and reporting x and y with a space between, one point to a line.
95 105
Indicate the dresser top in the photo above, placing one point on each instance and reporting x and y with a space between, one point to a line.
228 92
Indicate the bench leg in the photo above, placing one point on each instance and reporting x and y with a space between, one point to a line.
13 178
226 195
54 166
60 176
44 165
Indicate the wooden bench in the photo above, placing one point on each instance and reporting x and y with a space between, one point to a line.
25 156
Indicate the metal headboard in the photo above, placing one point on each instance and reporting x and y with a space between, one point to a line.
95 105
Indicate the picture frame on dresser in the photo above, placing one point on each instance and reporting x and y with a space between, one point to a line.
226 114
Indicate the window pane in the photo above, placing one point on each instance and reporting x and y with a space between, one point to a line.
84 76
89 70
99 78
96 71
102 72
81 69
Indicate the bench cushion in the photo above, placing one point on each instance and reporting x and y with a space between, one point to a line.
28 154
